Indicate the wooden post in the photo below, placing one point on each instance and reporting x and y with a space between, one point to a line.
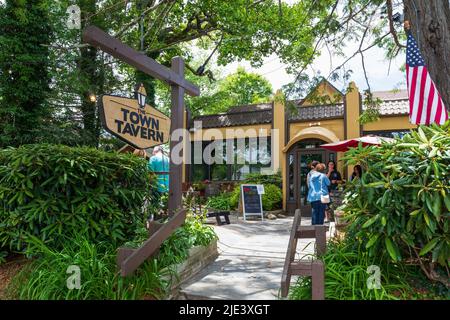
290 255
318 280
130 259
176 119
321 239
133 259
314 269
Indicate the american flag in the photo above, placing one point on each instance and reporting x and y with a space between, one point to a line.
425 102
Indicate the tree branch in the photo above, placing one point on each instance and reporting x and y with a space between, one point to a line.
391 24
137 19
311 57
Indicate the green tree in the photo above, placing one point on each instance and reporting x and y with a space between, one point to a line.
379 23
245 87
238 88
24 77
231 30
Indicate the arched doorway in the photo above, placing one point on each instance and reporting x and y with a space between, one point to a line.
299 156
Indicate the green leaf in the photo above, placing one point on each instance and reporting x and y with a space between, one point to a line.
377 184
429 246
433 152
447 201
392 249
373 239
370 221
422 135
437 208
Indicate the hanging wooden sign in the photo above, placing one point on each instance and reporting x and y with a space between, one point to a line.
134 121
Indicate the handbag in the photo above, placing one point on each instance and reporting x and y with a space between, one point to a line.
324 198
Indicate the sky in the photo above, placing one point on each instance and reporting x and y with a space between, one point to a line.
381 77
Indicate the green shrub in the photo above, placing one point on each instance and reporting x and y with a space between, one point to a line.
258 178
45 278
220 202
402 203
347 273
271 199
54 192
234 198
193 233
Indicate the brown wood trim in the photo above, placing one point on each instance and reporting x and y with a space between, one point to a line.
395 115
232 113
317 119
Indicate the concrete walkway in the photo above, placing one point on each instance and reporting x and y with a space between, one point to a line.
250 263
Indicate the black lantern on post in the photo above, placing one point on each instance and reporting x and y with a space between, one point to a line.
141 95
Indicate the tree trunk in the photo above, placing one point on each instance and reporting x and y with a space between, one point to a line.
92 81
430 25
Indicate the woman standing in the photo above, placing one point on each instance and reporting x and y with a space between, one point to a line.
357 172
318 187
333 175
335 179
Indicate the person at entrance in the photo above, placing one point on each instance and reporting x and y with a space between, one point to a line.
357 173
334 175
159 164
311 166
335 178
318 187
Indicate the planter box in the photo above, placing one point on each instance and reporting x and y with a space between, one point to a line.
199 257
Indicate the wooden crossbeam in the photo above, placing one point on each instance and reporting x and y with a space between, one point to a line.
100 39
130 259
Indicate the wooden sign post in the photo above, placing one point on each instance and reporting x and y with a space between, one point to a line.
130 259
173 77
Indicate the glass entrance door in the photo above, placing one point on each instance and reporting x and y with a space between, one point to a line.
305 157
297 163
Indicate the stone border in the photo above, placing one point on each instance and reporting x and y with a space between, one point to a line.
199 257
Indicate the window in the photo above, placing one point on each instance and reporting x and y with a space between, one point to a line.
291 176
247 155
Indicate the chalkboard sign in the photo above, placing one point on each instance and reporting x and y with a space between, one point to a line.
251 200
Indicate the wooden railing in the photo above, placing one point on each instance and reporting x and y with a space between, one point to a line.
128 259
315 268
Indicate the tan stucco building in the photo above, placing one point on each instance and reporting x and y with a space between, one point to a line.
300 128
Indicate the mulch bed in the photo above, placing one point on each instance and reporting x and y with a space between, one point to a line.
8 270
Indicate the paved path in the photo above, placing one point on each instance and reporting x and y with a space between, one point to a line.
250 263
